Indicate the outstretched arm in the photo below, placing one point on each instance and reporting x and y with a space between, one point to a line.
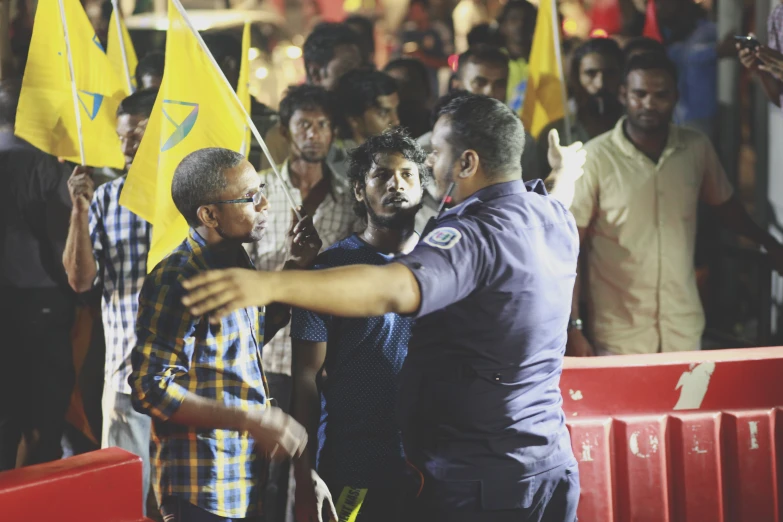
351 291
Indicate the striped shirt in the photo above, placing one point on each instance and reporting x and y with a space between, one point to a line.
214 469
120 242
334 220
775 32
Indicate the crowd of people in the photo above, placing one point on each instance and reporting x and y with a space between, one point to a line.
396 351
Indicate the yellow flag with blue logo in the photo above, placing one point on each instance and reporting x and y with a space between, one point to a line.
195 109
46 116
544 96
243 85
124 63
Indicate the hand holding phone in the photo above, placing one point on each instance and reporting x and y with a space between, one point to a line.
747 47
747 42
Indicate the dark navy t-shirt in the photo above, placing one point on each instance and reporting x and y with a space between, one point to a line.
359 440
479 394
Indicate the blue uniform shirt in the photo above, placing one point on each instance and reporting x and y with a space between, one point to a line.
479 395
360 443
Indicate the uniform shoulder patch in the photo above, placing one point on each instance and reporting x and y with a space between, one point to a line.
443 238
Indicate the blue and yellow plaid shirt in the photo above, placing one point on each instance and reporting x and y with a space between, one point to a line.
216 470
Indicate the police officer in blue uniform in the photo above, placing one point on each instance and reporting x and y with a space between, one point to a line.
490 285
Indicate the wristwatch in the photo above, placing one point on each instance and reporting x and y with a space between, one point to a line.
575 324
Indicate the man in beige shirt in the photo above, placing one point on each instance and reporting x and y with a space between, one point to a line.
636 209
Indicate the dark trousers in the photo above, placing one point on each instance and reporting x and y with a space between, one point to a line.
552 496
278 507
36 371
380 504
175 509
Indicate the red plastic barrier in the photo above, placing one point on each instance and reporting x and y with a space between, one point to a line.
101 486
687 437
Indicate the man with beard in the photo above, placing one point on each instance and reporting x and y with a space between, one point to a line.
596 73
490 288
361 447
307 122
636 208
330 51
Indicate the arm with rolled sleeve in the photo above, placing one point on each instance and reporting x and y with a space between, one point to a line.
715 187
162 357
164 350
448 264
84 244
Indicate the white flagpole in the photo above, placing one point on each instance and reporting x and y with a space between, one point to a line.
74 93
559 57
115 6
248 120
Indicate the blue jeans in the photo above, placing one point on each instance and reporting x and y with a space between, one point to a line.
175 509
551 496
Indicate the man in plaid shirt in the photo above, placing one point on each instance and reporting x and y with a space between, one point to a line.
107 246
202 381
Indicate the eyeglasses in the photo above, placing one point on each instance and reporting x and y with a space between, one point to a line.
255 200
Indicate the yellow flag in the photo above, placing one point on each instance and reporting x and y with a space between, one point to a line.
46 116
195 109
243 85
544 95
124 66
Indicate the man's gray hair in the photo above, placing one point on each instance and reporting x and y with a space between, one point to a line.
199 180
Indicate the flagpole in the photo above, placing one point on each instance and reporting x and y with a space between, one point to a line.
121 36
74 93
559 57
248 120
245 60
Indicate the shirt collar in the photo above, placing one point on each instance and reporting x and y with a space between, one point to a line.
328 173
495 191
673 142
198 245
195 239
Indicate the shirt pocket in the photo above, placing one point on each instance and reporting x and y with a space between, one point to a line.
684 197
621 197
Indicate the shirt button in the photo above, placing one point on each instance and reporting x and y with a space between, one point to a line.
416 265
497 377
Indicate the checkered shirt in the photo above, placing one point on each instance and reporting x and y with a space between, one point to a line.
214 469
334 220
120 242
775 32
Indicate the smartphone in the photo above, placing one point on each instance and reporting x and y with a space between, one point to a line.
747 42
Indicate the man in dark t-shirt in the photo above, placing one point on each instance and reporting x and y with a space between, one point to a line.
360 456
36 305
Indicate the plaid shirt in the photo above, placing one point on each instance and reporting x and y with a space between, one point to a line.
775 32
214 469
120 242
334 220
